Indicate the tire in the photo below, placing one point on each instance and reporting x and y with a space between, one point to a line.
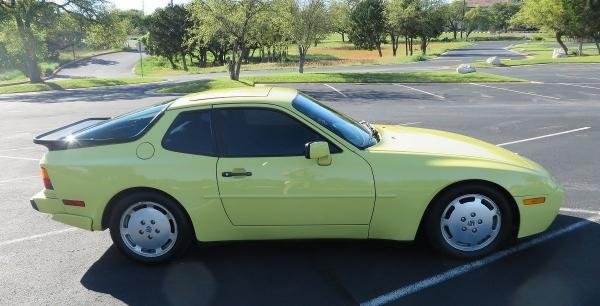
469 221
149 227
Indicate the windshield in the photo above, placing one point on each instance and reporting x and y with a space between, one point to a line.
338 123
123 127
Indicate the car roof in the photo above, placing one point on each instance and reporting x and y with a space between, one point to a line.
275 95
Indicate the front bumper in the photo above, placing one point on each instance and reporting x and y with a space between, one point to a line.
55 207
535 219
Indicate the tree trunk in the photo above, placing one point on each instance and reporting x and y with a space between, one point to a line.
597 40
561 43
232 63
455 34
185 67
461 34
73 49
379 50
424 45
411 46
580 49
31 60
395 39
343 37
406 45
173 66
302 58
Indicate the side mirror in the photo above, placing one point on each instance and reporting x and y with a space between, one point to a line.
318 150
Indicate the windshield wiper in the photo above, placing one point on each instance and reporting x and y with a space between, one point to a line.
374 132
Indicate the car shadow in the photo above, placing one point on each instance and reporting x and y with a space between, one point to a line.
310 272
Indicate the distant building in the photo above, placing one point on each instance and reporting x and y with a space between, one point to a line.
486 3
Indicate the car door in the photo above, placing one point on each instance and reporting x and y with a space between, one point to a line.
265 179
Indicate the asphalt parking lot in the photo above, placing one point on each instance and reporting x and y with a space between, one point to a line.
553 121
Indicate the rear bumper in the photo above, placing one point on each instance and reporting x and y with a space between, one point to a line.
535 219
55 208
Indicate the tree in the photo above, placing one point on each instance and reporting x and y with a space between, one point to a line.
309 26
109 32
431 21
501 14
339 12
476 19
166 36
368 25
548 15
234 19
455 14
29 15
400 17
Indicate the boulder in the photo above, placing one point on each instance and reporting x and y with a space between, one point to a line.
494 60
559 53
465 68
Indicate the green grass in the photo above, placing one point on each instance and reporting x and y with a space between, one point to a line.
74 83
407 77
332 52
541 53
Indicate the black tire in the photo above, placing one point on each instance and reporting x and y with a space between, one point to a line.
433 228
183 227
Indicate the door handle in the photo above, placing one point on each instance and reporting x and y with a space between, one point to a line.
236 173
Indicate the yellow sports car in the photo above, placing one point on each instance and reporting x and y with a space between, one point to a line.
273 163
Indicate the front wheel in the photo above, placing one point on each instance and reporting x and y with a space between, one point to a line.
469 221
150 228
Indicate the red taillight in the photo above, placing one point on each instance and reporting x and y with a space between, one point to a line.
46 179
74 203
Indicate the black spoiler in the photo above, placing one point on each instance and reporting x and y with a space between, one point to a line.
55 139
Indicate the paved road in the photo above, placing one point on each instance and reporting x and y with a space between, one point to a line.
44 262
118 64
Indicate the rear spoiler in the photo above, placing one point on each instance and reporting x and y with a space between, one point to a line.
56 139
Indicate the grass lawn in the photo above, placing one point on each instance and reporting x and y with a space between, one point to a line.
332 52
74 83
541 53
407 77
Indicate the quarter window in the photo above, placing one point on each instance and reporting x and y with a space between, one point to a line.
190 133
257 132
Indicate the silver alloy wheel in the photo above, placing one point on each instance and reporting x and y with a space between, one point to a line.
470 222
148 229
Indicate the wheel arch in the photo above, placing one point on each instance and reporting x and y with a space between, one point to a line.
126 192
499 188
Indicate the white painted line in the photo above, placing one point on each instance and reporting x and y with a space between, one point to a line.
544 136
17 149
17 179
474 265
411 123
582 211
20 158
577 85
421 91
515 91
335 90
9 242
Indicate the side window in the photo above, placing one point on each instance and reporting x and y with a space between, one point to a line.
190 133
256 132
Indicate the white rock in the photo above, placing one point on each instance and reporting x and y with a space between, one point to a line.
559 53
494 60
465 68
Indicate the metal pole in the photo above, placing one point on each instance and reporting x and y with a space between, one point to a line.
141 58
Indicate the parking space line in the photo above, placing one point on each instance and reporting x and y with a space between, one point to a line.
13 241
410 123
20 158
335 90
474 265
581 211
544 136
577 85
18 179
516 91
421 91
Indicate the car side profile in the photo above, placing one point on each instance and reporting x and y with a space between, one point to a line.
273 163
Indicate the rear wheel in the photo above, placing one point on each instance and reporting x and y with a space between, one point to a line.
150 228
469 221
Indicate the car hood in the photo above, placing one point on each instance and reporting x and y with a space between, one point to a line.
434 142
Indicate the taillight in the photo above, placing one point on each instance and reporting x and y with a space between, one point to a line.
46 179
